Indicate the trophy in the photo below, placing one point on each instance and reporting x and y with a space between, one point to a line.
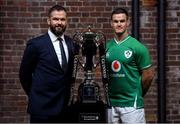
89 54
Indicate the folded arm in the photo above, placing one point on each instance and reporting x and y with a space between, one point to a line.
147 77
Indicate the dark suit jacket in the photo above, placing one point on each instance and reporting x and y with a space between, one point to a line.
42 78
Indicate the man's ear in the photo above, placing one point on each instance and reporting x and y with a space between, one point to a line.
111 23
128 22
48 21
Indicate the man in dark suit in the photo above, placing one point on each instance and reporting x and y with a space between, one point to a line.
44 74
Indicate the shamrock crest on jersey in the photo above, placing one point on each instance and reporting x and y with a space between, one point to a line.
115 66
127 53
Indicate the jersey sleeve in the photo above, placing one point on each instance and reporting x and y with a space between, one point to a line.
143 59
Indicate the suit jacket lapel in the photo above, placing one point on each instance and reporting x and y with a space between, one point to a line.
52 52
68 42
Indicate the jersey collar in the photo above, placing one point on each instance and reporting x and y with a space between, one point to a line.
122 40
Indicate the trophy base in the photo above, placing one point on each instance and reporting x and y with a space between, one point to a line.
87 112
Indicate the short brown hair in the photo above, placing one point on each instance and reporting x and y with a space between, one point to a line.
118 11
56 7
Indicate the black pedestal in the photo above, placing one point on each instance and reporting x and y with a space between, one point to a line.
87 113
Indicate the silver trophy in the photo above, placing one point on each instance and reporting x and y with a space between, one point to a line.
90 54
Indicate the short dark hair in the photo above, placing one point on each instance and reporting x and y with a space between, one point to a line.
56 7
118 11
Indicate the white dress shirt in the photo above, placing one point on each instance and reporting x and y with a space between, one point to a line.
55 43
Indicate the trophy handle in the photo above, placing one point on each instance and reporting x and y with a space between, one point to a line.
104 69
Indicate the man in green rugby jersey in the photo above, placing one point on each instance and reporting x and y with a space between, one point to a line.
130 72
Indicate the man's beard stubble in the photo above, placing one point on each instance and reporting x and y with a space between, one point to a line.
58 33
120 33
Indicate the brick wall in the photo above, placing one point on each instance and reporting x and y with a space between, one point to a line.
148 36
173 60
24 19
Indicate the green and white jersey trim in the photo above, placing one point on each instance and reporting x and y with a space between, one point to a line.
146 66
122 40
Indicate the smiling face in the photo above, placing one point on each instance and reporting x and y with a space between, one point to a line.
57 22
120 23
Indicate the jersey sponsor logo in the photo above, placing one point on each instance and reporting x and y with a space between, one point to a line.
115 66
117 75
127 53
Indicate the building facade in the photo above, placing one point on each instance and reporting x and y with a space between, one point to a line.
21 20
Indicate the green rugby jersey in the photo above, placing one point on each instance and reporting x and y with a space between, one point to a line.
124 61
